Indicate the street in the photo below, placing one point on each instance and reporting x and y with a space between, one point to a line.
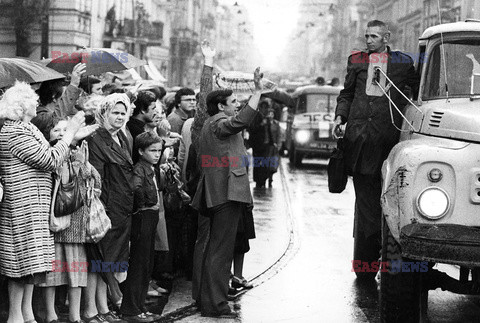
313 282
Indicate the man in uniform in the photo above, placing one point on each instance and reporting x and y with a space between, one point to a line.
370 134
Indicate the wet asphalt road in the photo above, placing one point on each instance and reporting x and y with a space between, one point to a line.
315 282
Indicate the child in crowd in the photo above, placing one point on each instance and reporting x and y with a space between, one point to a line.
148 182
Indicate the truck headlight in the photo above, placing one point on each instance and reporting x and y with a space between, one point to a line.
433 203
302 136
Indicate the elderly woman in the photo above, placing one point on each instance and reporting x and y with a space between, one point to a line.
109 154
26 164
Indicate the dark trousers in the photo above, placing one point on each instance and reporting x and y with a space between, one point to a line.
203 233
140 265
218 256
368 211
191 228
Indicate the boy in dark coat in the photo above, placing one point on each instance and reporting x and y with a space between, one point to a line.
147 184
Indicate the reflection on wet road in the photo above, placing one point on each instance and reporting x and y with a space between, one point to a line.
313 282
317 285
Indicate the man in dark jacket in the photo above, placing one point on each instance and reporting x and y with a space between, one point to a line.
370 134
223 190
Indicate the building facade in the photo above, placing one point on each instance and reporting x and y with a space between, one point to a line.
165 33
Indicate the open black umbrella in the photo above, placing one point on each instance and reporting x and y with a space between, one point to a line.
22 69
98 61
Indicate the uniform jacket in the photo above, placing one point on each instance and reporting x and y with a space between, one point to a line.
370 135
223 182
26 165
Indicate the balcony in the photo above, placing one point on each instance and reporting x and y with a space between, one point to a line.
151 32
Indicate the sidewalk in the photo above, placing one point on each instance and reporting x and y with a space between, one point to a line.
272 239
273 236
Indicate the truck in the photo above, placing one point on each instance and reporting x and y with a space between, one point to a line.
431 179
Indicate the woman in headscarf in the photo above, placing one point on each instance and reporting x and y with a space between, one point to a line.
110 155
26 164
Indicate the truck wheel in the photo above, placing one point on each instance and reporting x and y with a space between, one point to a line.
402 295
294 156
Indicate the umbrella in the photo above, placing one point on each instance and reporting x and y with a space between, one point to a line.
98 61
21 69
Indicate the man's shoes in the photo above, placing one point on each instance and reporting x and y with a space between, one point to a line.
153 315
232 293
140 318
155 291
94 319
241 283
111 317
227 314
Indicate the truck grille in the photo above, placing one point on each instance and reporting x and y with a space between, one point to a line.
435 119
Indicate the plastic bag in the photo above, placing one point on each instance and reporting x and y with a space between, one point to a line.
98 222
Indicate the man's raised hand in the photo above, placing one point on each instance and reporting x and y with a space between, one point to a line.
78 71
208 52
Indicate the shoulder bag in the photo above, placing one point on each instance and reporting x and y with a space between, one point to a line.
68 198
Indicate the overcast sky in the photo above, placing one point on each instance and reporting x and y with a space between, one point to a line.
273 21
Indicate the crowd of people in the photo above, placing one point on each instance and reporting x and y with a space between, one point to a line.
169 216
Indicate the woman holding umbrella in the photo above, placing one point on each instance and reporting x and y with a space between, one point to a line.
26 165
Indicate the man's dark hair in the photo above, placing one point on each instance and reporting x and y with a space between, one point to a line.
86 83
144 99
183 91
377 23
50 91
216 97
158 91
112 88
146 139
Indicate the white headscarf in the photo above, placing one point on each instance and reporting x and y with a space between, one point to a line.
107 105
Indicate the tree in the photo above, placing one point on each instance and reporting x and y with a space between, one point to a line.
26 16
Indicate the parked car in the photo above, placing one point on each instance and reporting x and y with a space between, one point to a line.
310 122
431 179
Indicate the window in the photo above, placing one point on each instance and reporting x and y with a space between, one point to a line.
460 57
316 103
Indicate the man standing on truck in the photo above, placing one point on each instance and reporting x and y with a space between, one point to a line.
370 134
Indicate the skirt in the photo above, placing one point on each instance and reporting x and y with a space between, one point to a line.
70 266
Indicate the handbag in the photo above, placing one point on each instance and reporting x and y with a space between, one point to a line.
68 198
57 224
337 171
98 222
